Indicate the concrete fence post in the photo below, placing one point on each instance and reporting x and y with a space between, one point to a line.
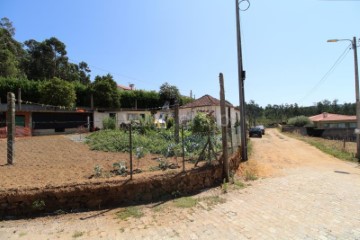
10 124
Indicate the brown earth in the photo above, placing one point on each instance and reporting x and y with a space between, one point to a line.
274 156
52 161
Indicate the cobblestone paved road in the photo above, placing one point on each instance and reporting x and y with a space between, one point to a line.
310 196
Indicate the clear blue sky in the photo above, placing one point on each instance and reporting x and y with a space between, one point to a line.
188 43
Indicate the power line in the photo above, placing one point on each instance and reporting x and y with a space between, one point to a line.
328 73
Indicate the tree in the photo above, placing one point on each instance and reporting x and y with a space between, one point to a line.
203 123
253 112
169 93
11 55
105 92
84 71
5 23
58 92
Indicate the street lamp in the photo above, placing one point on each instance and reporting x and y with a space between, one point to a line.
241 78
357 131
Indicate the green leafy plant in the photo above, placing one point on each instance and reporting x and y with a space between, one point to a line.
38 205
109 123
120 168
225 186
98 171
250 175
300 121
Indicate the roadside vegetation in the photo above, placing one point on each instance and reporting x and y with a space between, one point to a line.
337 148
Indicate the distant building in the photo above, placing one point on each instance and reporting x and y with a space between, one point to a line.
329 120
208 104
126 88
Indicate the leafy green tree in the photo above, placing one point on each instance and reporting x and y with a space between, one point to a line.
6 24
58 92
299 121
253 112
30 90
11 55
84 71
169 93
105 92
203 123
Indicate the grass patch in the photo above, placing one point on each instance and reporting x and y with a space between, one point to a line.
239 184
185 202
77 234
250 175
331 147
22 234
126 213
213 200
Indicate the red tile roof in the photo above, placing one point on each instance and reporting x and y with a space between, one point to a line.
205 100
124 87
329 117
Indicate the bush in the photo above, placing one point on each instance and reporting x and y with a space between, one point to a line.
203 123
299 121
109 123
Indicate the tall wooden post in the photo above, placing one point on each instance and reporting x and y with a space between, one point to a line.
224 128
130 151
177 122
10 123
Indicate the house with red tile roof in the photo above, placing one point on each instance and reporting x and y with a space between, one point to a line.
329 120
211 105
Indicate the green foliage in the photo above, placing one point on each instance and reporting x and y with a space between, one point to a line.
58 92
38 205
169 93
98 171
77 234
105 92
140 99
203 123
30 90
185 202
109 123
250 175
225 186
299 121
120 168
128 212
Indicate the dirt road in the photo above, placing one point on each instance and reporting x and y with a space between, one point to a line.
305 194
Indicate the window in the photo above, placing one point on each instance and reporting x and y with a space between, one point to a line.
112 115
352 125
20 120
342 125
133 116
333 125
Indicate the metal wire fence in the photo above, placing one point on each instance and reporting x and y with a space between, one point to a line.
60 155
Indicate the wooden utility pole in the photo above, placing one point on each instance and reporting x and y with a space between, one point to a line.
10 119
224 128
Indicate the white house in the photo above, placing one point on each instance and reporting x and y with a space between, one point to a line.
208 104
121 116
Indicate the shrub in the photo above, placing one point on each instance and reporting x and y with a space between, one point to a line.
109 123
203 123
299 121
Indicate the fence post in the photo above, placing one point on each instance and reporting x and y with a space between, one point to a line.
176 121
10 119
224 128
183 147
130 151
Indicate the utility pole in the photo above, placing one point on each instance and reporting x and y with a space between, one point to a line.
357 99
357 130
241 78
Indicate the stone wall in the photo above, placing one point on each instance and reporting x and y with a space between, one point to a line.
107 194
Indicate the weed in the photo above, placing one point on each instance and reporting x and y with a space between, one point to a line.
120 168
185 202
122 230
212 200
224 186
97 171
176 194
22 234
60 212
239 184
129 212
77 234
250 175
38 205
